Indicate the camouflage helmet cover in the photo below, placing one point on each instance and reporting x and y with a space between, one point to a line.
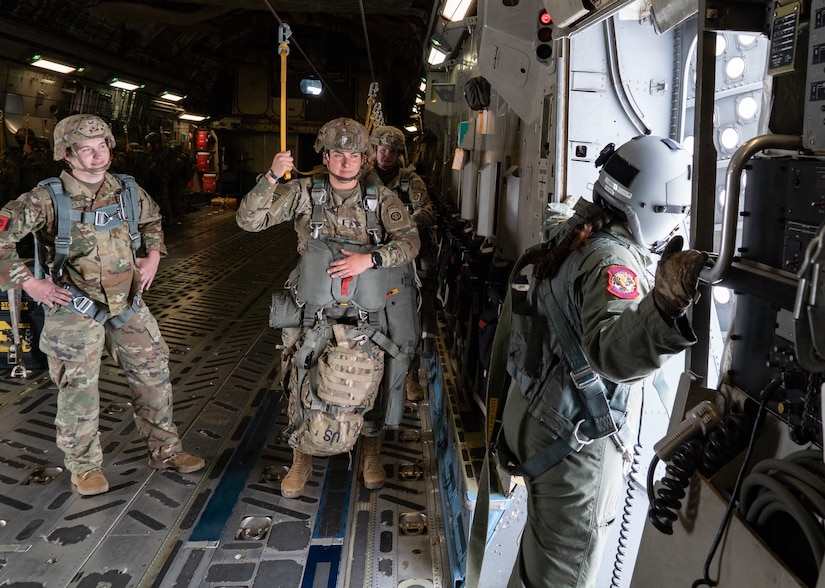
343 134
388 136
79 127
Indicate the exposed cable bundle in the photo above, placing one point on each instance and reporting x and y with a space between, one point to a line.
791 491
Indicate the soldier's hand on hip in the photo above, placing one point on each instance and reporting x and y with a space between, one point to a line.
46 292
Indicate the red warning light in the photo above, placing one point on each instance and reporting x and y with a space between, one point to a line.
545 18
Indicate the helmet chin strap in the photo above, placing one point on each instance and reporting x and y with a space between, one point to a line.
88 170
342 178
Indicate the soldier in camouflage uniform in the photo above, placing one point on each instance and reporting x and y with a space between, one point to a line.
105 270
390 156
345 144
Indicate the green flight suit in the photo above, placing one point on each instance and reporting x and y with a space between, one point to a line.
606 298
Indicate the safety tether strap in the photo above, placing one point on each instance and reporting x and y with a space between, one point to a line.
588 383
404 181
320 196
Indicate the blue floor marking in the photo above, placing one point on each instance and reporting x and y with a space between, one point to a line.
322 554
213 520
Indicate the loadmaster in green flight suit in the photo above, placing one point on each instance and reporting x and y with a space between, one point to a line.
594 268
336 208
94 299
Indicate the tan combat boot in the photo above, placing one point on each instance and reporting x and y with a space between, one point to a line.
415 392
90 483
293 483
182 462
374 474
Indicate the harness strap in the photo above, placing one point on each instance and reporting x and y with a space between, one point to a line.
404 181
105 218
83 305
128 199
588 383
320 196
370 208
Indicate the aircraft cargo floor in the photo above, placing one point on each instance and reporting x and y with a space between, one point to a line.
227 525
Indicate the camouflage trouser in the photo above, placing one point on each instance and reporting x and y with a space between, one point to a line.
74 345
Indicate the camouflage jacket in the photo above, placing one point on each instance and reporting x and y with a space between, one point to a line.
415 198
268 204
100 263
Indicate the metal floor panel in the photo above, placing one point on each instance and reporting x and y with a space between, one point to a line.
227 525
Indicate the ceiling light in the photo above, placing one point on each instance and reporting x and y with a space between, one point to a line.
192 117
124 85
50 65
436 56
172 97
456 10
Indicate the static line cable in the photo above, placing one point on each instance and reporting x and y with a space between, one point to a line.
284 33
315 71
366 38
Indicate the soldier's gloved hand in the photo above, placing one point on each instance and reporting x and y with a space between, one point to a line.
677 277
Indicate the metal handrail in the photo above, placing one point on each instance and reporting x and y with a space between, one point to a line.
733 185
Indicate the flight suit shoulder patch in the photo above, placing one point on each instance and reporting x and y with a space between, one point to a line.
622 282
4 222
396 217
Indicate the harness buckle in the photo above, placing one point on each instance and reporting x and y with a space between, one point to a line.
316 228
579 440
102 218
585 378
82 303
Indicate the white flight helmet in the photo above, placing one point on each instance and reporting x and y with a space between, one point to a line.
648 180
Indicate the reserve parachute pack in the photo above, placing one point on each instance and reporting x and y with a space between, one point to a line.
104 218
302 301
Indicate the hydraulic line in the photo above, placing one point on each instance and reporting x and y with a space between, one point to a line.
780 499
616 77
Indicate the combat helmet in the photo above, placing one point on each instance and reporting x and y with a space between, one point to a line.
343 134
392 137
79 127
648 181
